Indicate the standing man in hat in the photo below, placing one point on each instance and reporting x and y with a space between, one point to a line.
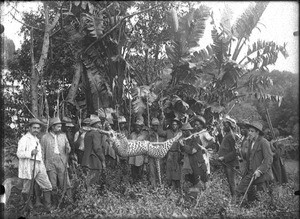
259 160
29 147
227 153
56 149
173 166
193 160
153 137
199 125
122 124
137 162
93 160
243 149
79 138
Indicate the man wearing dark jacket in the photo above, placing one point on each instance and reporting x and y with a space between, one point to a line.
93 160
227 153
195 158
259 160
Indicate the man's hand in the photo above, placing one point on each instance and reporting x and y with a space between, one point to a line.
221 158
34 152
257 174
194 151
104 165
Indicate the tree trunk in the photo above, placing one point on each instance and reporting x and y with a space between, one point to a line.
75 83
34 81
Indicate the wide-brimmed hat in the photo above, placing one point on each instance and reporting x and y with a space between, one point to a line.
177 120
155 121
257 125
68 122
86 121
54 121
186 126
199 118
230 120
35 121
242 123
121 119
95 120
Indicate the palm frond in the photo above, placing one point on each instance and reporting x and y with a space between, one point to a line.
245 24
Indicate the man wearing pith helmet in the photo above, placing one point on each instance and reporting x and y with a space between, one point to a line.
228 154
259 160
56 149
29 148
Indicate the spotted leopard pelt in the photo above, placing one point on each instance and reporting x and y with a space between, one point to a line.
127 148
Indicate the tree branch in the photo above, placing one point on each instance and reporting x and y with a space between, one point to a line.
118 24
27 25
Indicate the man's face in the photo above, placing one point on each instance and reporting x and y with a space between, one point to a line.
244 131
138 128
186 133
198 125
56 128
34 129
226 127
122 125
253 133
174 126
98 125
155 127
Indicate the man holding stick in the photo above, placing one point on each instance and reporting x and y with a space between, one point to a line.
56 149
29 153
259 159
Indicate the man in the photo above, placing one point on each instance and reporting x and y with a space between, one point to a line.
122 124
93 160
56 149
173 164
244 145
195 159
259 160
137 162
153 137
79 139
199 125
111 157
29 147
68 129
278 167
227 153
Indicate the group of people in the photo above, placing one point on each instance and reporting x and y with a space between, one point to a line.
49 153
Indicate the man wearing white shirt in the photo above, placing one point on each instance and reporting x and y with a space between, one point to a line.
28 147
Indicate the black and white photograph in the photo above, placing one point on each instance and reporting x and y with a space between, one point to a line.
149 109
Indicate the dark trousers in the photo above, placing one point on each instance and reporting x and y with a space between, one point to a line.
230 178
136 172
252 194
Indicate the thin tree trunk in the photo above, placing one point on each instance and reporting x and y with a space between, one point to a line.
34 81
75 83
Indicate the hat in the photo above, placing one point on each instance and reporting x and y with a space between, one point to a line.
243 122
257 125
155 121
231 121
68 122
44 121
86 121
186 126
200 119
177 120
35 121
121 119
54 121
94 120
139 122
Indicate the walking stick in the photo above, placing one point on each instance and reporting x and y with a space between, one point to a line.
31 184
247 190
